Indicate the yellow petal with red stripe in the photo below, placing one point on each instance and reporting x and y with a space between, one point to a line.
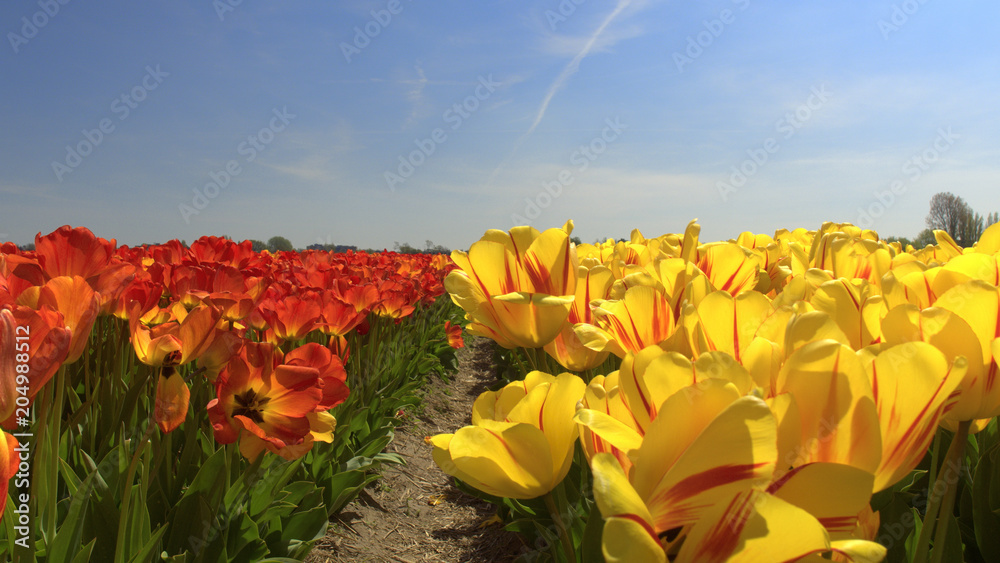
837 410
703 447
833 493
628 531
911 384
752 526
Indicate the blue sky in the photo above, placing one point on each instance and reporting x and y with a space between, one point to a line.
369 123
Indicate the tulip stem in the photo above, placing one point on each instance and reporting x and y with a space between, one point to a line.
123 520
940 505
567 542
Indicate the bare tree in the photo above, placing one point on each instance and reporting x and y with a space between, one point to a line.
953 215
948 213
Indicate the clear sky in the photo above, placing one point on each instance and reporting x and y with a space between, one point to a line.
368 123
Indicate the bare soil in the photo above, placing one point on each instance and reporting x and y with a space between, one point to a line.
414 513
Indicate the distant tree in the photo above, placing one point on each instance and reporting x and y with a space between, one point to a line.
903 241
431 248
258 245
405 248
576 240
29 246
924 238
954 216
278 244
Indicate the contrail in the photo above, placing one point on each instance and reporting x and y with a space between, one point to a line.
569 70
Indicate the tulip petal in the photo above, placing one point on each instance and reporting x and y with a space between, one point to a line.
702 447
172 395
808 487
628 531
911 384
756 527
836 406
609 429
511 459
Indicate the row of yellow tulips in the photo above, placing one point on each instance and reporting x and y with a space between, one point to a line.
767 388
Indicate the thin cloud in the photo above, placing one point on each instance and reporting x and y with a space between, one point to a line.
416 95
568 71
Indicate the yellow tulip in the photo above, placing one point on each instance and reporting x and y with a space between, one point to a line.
522 438
592 283
642 318
701 448
516 288
699 452
856 308
838 417
604 396
729 267
989 241
978 304
912 384
725 323
629 536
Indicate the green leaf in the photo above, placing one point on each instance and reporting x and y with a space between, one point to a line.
193 519
83 556
590 549
911 540
68 537
952 543
70 477
987 522
151 547
343 487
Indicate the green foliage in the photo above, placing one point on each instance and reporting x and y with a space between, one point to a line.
924 238
107 485
279 244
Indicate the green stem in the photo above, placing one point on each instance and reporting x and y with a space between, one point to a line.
956 455
129 476
567 542
940 506
935 455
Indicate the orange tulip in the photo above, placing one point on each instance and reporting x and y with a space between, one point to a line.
454 333
9 461
173 344
44 342
291 317
268 406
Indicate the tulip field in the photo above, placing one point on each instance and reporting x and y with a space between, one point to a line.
202 403
808 396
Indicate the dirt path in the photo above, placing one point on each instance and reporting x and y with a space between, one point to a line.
396 519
